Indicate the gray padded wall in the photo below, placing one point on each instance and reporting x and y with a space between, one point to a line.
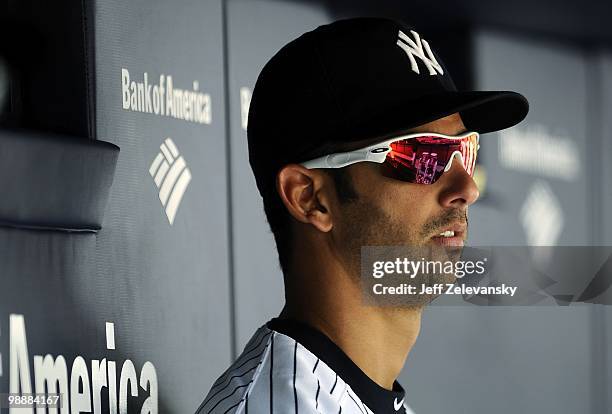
257 29
600 78
55 190
168 273
149 292
509 360
604 72
605 88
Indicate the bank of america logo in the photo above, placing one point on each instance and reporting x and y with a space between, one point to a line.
542 219
541 215
171 177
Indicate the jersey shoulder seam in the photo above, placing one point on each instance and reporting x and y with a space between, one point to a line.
240 408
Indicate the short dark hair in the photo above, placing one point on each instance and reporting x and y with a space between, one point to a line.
279 218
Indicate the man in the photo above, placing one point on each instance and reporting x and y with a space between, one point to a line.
343 126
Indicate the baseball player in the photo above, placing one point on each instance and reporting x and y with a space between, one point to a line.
357 137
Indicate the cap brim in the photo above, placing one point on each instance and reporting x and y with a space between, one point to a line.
481 111
492 111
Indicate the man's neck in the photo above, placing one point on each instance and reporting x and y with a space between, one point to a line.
376 339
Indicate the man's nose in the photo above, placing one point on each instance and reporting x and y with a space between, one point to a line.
458 187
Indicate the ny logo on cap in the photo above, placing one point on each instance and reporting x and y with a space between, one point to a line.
418 47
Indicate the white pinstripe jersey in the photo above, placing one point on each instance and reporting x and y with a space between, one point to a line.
278 374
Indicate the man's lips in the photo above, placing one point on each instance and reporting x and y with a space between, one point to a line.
456 239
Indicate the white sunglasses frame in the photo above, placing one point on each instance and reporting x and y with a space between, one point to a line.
378 152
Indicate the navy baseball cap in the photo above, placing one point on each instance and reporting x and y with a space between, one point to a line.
357 80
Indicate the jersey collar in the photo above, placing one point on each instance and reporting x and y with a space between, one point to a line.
377 398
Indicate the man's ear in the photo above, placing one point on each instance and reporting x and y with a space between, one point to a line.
306 195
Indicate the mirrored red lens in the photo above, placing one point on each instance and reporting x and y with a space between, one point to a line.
422 160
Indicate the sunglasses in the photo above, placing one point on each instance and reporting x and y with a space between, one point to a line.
419 158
